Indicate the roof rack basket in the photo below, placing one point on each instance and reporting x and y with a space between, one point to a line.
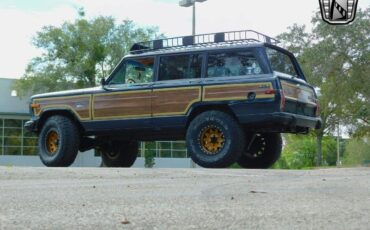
203 40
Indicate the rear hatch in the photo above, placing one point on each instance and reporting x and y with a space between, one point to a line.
300 98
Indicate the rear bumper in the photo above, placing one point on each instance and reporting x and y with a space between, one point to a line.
281 119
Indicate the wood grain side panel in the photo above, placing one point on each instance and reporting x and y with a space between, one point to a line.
236 91
122 105
79 105
175 101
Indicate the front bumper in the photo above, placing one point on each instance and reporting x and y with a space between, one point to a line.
31 125
282 120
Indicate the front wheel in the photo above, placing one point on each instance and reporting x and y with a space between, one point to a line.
58 142
119 154
214 139
262 150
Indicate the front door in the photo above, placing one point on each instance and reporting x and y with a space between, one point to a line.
128 93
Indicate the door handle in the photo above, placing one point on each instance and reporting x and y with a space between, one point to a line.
194 81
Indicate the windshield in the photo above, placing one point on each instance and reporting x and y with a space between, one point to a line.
281 62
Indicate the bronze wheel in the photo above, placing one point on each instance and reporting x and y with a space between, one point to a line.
212 140
59 141
52 142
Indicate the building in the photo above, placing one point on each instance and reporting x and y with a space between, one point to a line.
18 147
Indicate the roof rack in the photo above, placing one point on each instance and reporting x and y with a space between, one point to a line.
203 40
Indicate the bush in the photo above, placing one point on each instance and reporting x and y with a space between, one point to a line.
149 154
357 152
300 152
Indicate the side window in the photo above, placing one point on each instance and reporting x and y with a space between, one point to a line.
134 71
180 67
281 62
119 76
235 63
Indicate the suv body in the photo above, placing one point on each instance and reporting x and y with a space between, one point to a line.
163 86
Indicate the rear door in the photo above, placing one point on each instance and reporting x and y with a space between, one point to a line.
176 89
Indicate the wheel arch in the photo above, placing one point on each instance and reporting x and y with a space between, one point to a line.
62 112
198 109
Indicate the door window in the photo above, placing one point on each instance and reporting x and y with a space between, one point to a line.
180 67
134 71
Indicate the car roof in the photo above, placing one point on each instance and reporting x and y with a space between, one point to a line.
201 43
181 50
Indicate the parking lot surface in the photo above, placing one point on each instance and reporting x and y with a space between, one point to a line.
108 198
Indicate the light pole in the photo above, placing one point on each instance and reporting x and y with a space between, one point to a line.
187 3
338 156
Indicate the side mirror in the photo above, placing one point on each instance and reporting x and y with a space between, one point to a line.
103 82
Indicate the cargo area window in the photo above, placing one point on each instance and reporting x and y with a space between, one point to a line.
281 62
236 63
134 71
180 67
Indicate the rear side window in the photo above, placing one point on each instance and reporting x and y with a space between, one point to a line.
281 62
235 63
180 67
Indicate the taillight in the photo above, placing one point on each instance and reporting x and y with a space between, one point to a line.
282 100
270 91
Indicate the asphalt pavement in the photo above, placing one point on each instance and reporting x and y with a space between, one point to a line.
108 198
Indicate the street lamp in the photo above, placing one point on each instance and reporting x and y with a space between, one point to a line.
338 146
187 3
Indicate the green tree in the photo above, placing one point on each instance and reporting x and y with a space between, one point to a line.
337 60
149 154
300 152
79 54
357 152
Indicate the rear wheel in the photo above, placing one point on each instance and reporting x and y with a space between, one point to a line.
214 139
262 150
58 142
119 154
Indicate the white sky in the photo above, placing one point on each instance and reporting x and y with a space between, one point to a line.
21 19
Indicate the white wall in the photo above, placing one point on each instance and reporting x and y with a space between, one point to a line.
9 104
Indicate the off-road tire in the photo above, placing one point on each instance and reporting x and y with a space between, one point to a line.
119 154
233 139
63 150
263 152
